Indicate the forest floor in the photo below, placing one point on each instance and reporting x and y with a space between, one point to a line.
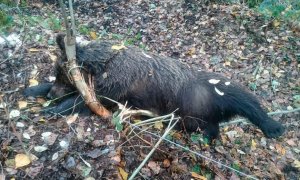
261 54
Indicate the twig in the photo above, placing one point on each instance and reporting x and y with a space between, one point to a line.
12 125
200 155
135 134
137 170
242 120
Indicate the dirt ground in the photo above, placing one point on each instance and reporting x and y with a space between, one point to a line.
263 55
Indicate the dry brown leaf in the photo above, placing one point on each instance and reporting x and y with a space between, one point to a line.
71 118
123 173
276 23
93 35
34 50
52 57
227 63
191 51
297 164
197 176
35 109
154 167
33 82
22 160
253 144
22 104
177 135
158 125
166 163
291 142
280 149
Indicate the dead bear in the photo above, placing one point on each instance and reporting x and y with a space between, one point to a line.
160 84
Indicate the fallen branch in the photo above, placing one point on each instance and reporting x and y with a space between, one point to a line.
87 93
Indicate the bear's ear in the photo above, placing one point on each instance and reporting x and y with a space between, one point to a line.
60 41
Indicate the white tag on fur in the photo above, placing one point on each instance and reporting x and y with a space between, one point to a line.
227 83
213 81
219 92
146 55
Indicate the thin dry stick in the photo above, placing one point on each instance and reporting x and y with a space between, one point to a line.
12 125
241 120
200 155
137 170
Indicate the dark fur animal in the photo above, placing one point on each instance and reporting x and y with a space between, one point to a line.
160 84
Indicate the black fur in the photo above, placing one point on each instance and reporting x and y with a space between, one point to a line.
41 90
160 84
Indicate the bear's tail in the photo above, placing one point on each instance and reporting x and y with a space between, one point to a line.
237 101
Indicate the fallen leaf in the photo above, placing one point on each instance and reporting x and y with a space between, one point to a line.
49 138
123 173
33 82
2 105
240 151
52 57
33 157
158 125
291 142
14 113
20 124
22 160
253 144
231 135
34 71
280 149
22 104
166 163
227 63
95 153
26 135
54 156
89 178
276 23
197 176
191 51
40 148
64 144
34 50
93 35
202 51
154 167
30 131
71 118
52 78
35 170
47 103
297 164
118 47
10 163
116 158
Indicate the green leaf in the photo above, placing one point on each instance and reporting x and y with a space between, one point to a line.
253 86
236 166
116 120
196 169
195 137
